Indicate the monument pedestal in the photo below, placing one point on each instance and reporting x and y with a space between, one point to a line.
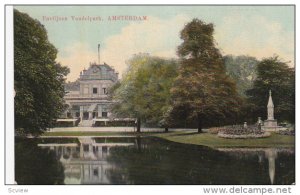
270 125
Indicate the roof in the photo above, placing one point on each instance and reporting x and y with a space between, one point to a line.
99 72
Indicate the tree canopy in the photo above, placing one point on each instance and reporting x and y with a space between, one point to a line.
144 91
275 75
242 69
202 87
38 79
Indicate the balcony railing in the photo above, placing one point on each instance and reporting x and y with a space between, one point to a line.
86 96
99 77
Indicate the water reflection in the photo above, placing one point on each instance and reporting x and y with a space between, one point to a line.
84 162
270 156
34 165
135 160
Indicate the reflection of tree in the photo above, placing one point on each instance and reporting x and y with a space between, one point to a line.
34 165
285 168
161 162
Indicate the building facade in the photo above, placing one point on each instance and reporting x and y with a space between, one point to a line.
90 99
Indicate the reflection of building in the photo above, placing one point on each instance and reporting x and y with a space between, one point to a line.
86 162
90 100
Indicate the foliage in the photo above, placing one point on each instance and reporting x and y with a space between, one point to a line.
215 130
72 86
34 165
38 80
67 123
242 69
275 75
286 132
144 91
202 87
121 123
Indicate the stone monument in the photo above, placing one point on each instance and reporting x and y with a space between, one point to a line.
270 124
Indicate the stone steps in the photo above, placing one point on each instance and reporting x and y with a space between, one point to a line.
86 123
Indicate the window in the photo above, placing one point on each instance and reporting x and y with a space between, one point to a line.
96 172
85 148
104 114
95 91
104 90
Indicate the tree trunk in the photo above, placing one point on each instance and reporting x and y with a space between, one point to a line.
199 122
138 128
166 129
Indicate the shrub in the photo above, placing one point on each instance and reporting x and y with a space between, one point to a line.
286 132
67 123
114 124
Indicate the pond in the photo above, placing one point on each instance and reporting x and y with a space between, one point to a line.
146 160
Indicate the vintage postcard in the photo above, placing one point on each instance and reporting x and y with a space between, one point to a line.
154 94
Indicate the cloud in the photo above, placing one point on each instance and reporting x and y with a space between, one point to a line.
237 34
77 57
255 36
158 37
155 36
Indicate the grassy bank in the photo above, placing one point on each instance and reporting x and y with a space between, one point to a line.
212 140
207 139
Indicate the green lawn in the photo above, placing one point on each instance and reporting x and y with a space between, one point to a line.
212 140
206 139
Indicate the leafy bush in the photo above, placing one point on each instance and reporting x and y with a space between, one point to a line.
287 132
114 124
67 123
215 130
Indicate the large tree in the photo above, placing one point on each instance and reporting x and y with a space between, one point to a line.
275 75
144 91
202 87
38 79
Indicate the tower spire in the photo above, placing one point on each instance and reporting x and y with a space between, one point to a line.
270 107
270 102
99 53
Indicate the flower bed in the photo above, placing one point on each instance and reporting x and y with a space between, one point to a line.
245 136
215 130
286 132
240 132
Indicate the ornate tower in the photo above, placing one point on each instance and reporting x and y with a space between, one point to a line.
270 107
270 124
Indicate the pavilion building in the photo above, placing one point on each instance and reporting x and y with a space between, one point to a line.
89 99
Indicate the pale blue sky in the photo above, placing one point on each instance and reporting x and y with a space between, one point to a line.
260 31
